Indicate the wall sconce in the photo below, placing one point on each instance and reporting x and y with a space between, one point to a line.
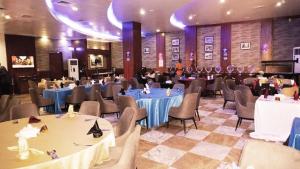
265 48
225 54
128 56
191 56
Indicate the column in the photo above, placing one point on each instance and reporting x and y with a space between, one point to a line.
225 46
190 33
160 51
266 40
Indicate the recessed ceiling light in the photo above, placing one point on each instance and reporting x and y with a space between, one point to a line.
157 30
151 10
222 1
74 8
142 11
7 17
258 6
228 12
118 33
278 4
191 17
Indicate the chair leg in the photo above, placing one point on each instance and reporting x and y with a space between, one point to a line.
195 123
197 112
184 128
224 104
147 123
241 122
237 123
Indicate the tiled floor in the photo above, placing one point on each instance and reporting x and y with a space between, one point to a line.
213 144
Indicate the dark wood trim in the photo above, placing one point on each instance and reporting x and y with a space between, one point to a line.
190 33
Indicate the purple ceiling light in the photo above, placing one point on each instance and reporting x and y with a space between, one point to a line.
112 17
176 23
78 26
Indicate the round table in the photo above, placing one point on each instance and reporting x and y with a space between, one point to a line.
157 104
68 136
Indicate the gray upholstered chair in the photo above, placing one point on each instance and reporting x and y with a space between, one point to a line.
228 94
5 116
90 108
216 86
23 110
265 155
3 102
125 84
193 87
108 91
135 84
116 88
39 100
179 86
32 84
124 157
77 97
198 102
249 80
155 85
186 111
107 106
125 126
93 93
230 83
247 92
128 101
244 109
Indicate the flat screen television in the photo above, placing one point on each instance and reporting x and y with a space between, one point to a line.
22 61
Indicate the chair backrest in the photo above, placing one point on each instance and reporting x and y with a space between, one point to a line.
127 101
179 86
245 90
108 92
90 108
78 94
3 102
116 88
265 155
93 94
6 115
193 87
188 105
218 82
202 83
227 92
125 84
230 83
290 91
125 125
34 96
155 85
32 84
128 156
240 101
198 97
23 110
249 80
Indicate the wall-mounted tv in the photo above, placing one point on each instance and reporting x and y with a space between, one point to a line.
22 61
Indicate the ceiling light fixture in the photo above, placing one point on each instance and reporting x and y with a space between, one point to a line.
228 12
191 17
74 8
157 30
7 17
112 17
222 1
142 11
176 23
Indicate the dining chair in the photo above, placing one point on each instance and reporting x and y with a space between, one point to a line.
124 157
228 94
124 84
32 84
107 106
3 102
186 111
107 92
202 83
155 85
265 155
125 126
135 84
128 101
23 110
290 91
249 80
116 88
193 87
247 92
39 100
5 116
92 96
230 83
216 86
198 102
179 86
90 108
244 109
77 96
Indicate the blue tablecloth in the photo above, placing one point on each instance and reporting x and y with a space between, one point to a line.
60 95
294 140
157 104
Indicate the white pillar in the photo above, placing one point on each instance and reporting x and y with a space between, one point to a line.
3 58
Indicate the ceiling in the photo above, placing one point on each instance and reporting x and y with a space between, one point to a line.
32 17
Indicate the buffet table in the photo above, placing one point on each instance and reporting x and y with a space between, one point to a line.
157 104
273 119
67 135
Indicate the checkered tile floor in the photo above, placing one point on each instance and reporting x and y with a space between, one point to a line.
213 144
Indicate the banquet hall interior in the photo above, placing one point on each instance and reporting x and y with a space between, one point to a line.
150 84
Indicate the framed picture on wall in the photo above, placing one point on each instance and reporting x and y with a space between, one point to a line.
95 61
175 42
209 39
245 45
208 56
147 50
175 49
208 48
175 56
22 61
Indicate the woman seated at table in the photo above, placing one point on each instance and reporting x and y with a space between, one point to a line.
179 68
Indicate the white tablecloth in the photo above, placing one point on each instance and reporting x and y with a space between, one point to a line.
273 119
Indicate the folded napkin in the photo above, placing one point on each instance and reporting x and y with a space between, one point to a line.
33 119
95 130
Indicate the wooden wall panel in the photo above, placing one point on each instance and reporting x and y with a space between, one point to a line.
190 33
132 43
